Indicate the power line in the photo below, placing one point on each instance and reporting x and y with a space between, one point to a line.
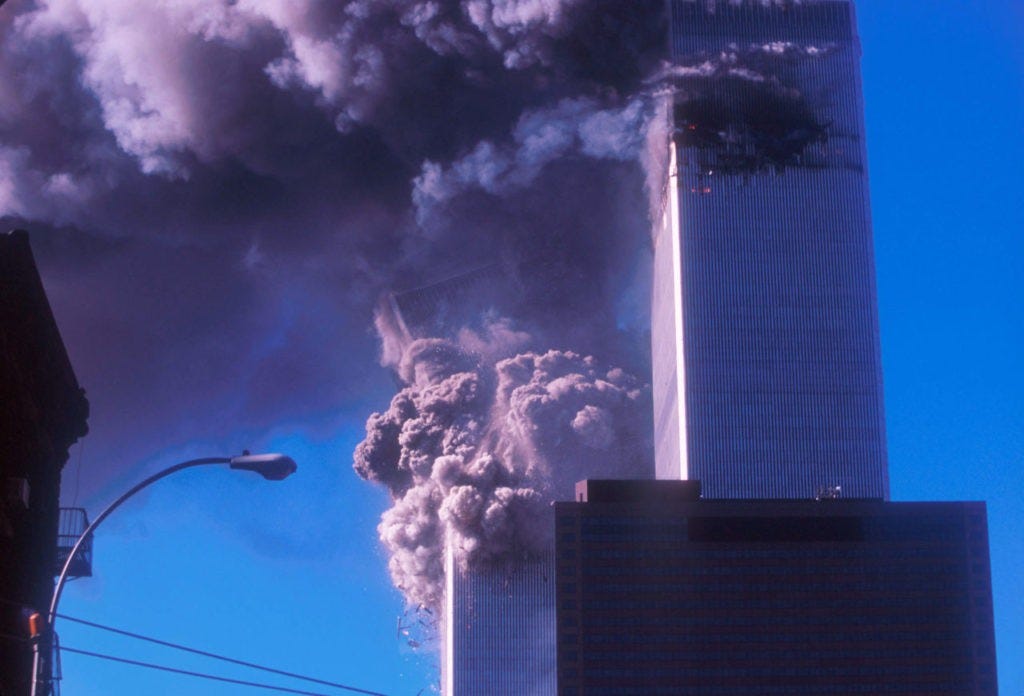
215 656
201 675
185 648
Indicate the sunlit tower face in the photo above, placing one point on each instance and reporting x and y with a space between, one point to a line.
499 629
767 374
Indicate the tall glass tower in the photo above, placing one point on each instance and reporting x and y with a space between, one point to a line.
767 374
498 629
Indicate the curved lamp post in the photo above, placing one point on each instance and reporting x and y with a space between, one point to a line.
273 467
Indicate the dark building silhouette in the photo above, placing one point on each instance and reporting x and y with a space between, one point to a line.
42 412
660 592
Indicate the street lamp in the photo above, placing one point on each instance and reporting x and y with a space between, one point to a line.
273 467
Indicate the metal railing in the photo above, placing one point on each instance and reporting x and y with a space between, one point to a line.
71 524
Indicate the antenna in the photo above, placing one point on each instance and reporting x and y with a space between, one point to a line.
828 492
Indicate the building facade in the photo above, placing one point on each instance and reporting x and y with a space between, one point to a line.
499 629
766 366
660 592
765 349
43 411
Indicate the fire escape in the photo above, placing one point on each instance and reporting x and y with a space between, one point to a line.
71 524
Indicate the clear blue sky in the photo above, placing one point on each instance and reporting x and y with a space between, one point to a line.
235 565
944 94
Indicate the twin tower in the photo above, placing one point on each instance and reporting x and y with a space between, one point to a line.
767 374
766 366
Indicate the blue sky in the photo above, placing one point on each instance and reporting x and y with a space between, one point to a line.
944 95
288 575
292 575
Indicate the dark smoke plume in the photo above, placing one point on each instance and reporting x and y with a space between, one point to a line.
739 111
748 128
199 170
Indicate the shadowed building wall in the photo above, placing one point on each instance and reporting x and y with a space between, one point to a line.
42 412
659 592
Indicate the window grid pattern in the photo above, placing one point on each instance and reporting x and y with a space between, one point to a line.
501 629
841 597
781 351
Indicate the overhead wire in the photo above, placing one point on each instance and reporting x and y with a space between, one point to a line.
190 673
215 656
185 648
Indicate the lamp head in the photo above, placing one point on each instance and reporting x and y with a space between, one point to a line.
273 467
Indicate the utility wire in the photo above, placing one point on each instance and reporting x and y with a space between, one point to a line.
201 675
215 656
185 648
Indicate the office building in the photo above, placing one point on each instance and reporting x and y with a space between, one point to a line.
660 592
499 629
766 368
765 353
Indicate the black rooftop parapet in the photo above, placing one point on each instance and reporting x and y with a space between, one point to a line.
636 491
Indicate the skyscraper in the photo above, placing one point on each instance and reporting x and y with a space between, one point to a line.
766 367
499 628
767 379
660 592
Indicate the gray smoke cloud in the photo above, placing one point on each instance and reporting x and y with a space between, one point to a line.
474 452
713 5
493 424
540 137
221 191
182 84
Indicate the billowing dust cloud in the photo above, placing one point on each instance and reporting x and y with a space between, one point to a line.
473 453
